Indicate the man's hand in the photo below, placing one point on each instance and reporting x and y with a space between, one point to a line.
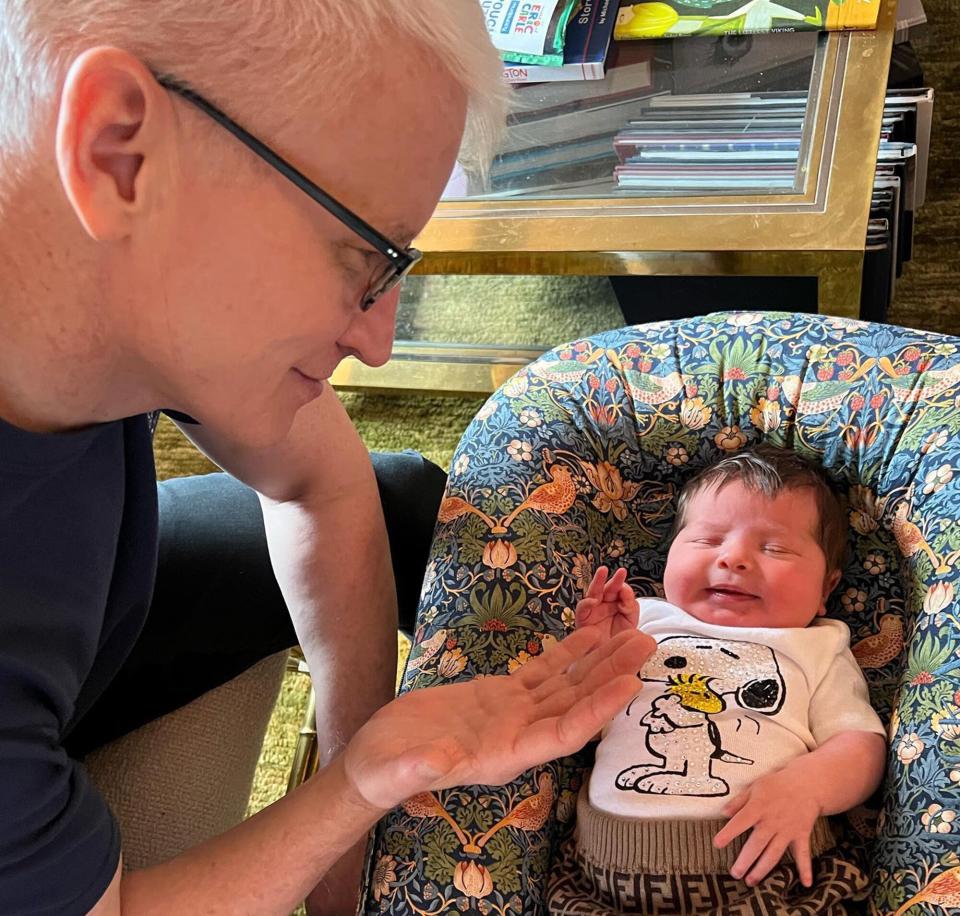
781 809
489 730
610 606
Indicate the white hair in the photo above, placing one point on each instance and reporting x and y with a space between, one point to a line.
250 50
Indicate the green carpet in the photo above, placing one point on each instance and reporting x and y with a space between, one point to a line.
544 311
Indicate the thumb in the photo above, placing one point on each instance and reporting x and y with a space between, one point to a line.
385 781
427 766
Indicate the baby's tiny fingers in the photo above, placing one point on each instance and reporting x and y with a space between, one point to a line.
730 831
612 588
597 583
752 850
803 861
585 607
771 856
735 804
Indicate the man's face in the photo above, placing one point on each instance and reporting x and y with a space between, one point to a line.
259 286
745 560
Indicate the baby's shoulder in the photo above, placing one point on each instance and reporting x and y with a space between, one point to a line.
829 630
656 606
657 611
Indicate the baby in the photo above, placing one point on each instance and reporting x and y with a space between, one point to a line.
709 791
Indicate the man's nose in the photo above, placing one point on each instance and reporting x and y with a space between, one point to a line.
369 336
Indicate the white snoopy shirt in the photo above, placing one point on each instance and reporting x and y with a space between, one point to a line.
721 706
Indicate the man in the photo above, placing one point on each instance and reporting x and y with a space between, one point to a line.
150 260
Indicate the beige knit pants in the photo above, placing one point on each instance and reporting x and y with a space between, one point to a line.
614 866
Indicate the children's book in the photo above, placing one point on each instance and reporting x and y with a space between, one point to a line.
670 18
585 48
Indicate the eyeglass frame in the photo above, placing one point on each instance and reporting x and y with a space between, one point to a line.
400 260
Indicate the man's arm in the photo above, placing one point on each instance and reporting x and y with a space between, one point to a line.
780 809
482 731
328 546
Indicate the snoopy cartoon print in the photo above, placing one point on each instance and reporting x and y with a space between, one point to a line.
702 676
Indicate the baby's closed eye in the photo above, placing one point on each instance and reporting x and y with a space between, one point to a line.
778 549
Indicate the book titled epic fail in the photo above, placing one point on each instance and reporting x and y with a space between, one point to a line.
584 50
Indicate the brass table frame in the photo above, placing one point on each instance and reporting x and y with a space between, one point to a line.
819 232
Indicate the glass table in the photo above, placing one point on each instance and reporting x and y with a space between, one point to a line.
565 196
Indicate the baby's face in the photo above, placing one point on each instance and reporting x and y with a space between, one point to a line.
744 560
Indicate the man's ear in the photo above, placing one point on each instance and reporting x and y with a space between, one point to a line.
829 584
109 140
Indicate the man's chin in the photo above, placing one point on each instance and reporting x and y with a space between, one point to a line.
309 388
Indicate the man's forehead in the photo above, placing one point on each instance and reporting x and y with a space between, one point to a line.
386 161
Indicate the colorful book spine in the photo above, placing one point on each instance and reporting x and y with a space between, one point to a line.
584 50
673 18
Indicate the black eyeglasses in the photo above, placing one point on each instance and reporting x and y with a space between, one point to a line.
400 260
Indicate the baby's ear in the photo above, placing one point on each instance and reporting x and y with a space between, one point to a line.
829 584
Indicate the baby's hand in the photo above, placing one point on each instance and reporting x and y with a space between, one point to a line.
610 605
781 809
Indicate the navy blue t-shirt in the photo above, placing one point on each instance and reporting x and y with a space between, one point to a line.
78 552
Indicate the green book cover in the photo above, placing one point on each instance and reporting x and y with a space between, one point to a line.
668 18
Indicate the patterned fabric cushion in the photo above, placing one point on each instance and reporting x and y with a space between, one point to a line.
577 461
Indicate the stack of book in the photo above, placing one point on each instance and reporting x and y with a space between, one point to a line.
742 143
717 143
560 134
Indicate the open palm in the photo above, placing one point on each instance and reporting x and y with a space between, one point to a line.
488 730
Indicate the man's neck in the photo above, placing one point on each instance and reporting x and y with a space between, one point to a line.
61 362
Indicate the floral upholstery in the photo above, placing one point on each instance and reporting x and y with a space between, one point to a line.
577 461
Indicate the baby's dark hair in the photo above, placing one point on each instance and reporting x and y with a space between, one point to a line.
771 470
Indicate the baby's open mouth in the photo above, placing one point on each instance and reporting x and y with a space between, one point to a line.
728 591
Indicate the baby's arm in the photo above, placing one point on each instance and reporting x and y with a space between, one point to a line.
780 809
609 604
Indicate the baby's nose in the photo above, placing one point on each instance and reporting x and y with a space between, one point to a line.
734 558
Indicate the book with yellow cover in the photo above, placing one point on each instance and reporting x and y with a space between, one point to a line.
669 18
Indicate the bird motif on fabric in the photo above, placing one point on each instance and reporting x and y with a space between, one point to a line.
427 805
822 397
529 814
942 891
910 538
426 650
883 647
553 498
558 372
920 387
454 507
654 389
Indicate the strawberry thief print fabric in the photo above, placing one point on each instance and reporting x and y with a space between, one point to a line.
576 462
